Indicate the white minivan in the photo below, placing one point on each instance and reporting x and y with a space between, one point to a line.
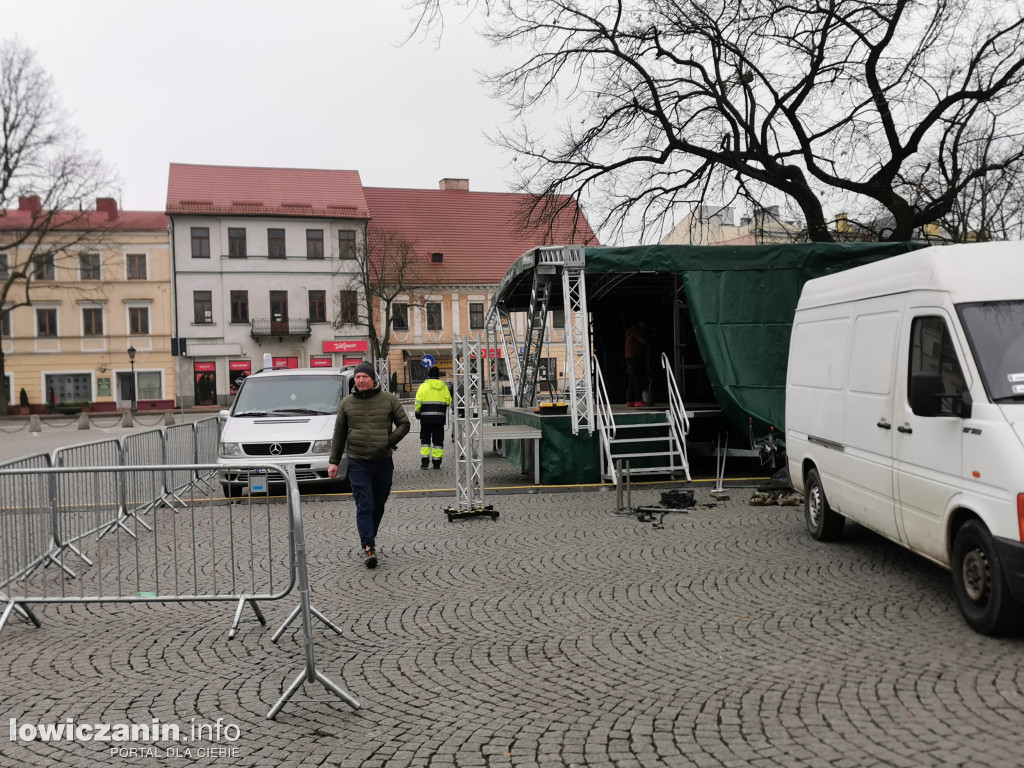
905 413
282 417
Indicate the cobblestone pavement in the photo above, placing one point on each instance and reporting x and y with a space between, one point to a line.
559 634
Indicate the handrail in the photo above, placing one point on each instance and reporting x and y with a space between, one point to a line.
678 420
605 419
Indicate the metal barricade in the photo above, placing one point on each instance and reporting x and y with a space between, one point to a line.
180 448
207 441
205 550
144 491
245 551
26 538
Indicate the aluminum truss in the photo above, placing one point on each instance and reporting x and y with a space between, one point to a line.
468 430
577 341
384 373
540 296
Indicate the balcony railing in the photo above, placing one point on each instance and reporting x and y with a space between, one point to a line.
263 327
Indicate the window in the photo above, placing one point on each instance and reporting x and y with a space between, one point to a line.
932 351
136 266
236 242
46 323
4 269
318 306
275 243
92 321
434 316
5 323
89 266
239 306
202 304
200 242
314 243
400 316
279 306
43 266
138 321
436 258
476 315
558 318
346 244
348 307
148 385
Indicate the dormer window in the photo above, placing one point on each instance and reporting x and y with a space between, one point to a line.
436 258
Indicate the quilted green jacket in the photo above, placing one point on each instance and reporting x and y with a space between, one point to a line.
370 424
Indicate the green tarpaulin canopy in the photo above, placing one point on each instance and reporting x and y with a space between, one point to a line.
742 300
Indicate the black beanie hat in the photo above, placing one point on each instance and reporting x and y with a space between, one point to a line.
434 372
365 367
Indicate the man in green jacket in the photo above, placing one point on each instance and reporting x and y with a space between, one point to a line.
433 399
364 424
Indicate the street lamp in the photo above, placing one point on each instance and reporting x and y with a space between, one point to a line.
131 357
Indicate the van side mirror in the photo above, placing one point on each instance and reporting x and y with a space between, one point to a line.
925 393
927 396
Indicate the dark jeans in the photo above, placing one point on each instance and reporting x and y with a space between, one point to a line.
371 486
636 375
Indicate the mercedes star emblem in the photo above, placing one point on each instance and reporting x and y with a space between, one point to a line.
275 449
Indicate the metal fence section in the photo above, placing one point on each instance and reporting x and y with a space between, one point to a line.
203 550
26 537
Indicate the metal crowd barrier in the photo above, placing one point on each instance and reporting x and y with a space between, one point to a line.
201 550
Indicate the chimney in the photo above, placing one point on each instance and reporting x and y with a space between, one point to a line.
30 203
449 185
109 205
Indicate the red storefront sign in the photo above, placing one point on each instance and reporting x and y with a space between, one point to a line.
320 362
346 346
352 361
239 365
490 353
204 367
285 362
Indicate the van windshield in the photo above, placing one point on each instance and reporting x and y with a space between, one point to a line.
289 394
995 331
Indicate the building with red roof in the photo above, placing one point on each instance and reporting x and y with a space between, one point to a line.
264 261
86 289
462 244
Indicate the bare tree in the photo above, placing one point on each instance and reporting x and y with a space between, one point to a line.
42 163
990 207
387 271
818 106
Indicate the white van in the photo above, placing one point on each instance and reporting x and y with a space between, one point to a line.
283 417
905 413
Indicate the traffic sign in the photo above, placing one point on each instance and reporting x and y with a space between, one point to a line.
427 361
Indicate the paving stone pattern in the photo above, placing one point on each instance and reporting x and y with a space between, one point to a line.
560 634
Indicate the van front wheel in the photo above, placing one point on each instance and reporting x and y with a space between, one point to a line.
823 523
980 585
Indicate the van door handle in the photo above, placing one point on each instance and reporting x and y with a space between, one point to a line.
884 424
904 430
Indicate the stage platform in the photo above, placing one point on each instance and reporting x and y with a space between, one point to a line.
568 459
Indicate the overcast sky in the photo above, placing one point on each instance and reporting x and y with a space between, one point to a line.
296 84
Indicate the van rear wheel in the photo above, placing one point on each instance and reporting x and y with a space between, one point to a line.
980 585
823 523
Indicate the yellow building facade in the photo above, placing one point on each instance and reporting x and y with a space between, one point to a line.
97 331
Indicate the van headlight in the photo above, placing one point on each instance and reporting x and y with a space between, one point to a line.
228 450
322 446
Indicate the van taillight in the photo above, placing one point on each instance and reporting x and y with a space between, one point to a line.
1020 516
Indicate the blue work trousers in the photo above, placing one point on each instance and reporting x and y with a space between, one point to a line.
371 486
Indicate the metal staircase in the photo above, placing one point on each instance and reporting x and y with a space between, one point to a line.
655 447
